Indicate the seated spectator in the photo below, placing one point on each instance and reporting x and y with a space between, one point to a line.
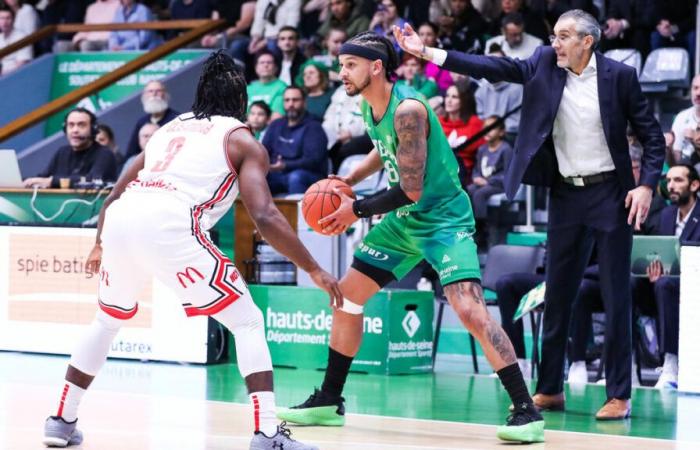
492 159
344 15
681 219
386 16
314 80
132 11
267 88
534 20
26 18
694 159
313 13
102 11
105 137
685 123
463 28
288 55
499 98
676 27
628 24
331 45
270 17
57 12
297 145
145 134
513 40
412 71
8 35
188 10
345 129
428 33
239 16
258 119
82 159
156 104
459 123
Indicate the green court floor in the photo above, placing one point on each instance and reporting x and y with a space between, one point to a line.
446 395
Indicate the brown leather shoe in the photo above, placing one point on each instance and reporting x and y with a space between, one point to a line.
614 409
549 402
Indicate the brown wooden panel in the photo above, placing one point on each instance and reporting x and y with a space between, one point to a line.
245 228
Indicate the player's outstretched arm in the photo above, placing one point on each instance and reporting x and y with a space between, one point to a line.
411 124
251 161
95 257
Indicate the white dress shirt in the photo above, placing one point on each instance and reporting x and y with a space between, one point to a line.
579 140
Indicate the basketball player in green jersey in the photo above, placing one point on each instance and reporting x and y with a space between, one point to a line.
427 216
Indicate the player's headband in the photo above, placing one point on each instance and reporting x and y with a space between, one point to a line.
363 52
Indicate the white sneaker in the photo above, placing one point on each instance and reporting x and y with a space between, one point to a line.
667 380
669 373
578 374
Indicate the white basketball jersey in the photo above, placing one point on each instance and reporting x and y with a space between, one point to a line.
187 158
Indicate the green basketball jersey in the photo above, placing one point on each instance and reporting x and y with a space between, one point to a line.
441 182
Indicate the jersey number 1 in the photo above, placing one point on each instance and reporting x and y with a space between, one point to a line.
174 146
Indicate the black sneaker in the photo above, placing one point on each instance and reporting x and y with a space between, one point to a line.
318 409
525 424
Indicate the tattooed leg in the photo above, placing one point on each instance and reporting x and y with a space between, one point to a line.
467 299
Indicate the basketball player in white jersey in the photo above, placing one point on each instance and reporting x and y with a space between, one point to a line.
155 223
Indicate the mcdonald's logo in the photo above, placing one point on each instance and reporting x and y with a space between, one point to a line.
188 274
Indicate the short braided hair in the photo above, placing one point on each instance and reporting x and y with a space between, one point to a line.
221 90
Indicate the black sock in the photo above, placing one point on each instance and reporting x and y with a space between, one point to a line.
336 373
513 382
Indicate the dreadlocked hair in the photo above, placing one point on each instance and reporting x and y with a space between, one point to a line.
221 90
381 44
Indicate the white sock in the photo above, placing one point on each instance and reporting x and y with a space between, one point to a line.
264 414
671 363
70 400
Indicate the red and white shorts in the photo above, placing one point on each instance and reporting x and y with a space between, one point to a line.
156 235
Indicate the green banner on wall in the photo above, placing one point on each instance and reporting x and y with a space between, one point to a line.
73 70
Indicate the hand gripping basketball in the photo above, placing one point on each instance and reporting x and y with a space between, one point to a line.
323 201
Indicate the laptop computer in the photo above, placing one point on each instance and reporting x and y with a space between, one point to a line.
646 249
10 176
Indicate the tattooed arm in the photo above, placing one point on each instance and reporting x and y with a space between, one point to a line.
411 123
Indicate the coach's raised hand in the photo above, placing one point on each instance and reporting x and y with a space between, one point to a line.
409 41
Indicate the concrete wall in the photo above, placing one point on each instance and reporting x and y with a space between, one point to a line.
23 91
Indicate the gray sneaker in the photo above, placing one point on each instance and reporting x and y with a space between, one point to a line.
280 441
59 433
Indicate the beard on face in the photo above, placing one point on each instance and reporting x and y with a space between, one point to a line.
154 105
353 89
680 198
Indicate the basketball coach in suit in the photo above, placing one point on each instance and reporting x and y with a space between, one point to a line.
572 137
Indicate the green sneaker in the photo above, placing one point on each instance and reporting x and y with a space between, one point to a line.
525 424
318 409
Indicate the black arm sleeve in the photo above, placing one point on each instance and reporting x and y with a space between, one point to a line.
381 202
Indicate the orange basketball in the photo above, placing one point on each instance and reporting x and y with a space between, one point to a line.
320 200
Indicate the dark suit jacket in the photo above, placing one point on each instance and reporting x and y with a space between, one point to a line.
621 100
691 232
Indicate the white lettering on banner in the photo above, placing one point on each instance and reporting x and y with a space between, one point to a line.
296 338
131 347
410 349
299 320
